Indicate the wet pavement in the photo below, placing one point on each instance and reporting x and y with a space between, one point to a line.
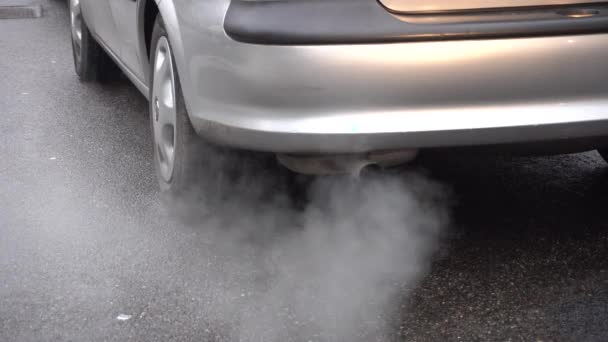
88 251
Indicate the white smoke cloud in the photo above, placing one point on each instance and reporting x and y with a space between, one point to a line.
328 270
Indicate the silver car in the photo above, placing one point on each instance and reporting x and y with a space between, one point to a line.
334 85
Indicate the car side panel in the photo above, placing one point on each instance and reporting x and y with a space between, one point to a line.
125 14
98 17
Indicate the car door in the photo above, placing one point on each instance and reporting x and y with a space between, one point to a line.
98 17
125 14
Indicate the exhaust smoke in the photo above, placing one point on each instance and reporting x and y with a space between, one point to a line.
328 270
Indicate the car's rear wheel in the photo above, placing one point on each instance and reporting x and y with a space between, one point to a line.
177 147
188 166
90 61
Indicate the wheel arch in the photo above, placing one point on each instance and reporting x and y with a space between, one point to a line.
147 11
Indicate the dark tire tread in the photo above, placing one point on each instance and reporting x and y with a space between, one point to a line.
604 153
94 64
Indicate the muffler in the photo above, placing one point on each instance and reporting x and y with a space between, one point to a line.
352 164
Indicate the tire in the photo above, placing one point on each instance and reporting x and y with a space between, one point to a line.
202 172
185 170
604 154
90 61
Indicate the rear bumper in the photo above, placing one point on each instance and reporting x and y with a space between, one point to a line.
463 126
359 98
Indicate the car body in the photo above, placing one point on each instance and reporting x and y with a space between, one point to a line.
336 77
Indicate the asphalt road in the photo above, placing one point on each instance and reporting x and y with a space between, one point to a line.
90 252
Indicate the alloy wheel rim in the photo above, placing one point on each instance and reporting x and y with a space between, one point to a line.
76 26
164 112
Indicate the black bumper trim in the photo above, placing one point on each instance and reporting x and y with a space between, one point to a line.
308 22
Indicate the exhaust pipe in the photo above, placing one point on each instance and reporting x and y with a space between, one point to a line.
351 164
